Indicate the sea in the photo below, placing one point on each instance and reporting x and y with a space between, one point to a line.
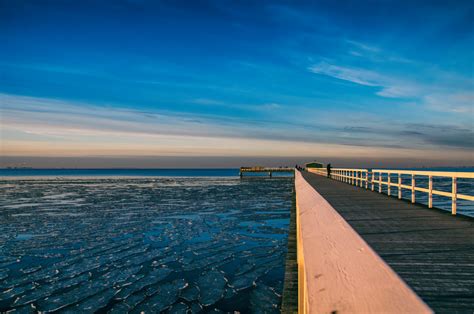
119 241
151 240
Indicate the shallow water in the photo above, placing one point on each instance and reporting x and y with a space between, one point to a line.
153 244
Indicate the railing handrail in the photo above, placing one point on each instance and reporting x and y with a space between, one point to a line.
450 174
350 169
360 177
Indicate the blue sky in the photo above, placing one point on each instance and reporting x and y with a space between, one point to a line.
322 79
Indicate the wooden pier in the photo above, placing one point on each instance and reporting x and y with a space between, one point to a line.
290 289
267 170
431 250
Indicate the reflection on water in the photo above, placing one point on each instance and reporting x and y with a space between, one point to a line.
131 245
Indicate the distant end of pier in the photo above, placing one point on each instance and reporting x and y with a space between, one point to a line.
261 169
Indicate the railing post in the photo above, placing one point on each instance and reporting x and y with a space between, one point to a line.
400 186
413 198
380 182
454 196
366 180
430 191
389 180
372 179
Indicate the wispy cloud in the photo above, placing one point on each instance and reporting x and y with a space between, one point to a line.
271 106
207 101
450 94
32 125
354 75
399 91
457 102
362 49
54 68
390 87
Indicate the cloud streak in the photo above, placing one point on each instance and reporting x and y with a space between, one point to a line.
387 86
354 75
452 94
34 126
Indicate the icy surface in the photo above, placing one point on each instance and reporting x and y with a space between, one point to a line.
143 244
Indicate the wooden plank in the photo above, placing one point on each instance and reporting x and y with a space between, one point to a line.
431 250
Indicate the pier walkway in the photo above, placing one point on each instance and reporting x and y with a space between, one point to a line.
431 250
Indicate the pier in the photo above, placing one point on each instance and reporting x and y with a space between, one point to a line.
364 251
267 170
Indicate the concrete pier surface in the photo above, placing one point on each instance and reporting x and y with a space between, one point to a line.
430 249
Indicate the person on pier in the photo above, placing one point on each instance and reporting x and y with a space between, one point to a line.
328 167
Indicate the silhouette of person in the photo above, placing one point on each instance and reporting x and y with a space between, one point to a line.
329 170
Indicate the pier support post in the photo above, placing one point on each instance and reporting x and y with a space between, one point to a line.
413 196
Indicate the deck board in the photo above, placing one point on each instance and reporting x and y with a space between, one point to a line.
431 250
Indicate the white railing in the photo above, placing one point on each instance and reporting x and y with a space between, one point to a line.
366 178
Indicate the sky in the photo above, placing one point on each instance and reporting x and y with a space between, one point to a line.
222 83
